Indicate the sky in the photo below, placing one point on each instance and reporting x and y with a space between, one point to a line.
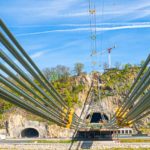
55 32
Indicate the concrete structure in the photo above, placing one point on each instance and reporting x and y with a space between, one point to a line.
29 129
2 133
125 131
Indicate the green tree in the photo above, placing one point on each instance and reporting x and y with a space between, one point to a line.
47 73
56 73
105 66
78 68
127 66
62 71
142 63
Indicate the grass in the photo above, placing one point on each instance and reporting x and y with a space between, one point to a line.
51 141
69 141
135 140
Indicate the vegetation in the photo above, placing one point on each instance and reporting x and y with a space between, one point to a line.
56 73
50 141
116 81
4 107
135 140
68 89
105 66
78 68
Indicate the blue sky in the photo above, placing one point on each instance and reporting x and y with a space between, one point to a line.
57 32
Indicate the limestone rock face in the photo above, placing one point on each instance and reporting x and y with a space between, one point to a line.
2 131
59 132
108 104
17 123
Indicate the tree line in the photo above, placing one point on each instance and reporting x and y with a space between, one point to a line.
61 71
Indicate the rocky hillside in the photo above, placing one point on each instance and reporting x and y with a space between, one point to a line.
114 86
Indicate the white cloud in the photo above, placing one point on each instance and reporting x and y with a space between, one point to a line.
28 12
133 10
35 11
38 54
124 27
75 14
82 25
130 26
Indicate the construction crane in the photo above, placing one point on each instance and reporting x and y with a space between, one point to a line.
109 55
108 50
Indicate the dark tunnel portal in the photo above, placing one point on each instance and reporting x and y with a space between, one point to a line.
97 117
29 133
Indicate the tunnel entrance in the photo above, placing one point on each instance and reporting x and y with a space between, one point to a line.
29 133
97 117
94 133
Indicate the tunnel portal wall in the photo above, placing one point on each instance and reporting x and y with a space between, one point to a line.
29 129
